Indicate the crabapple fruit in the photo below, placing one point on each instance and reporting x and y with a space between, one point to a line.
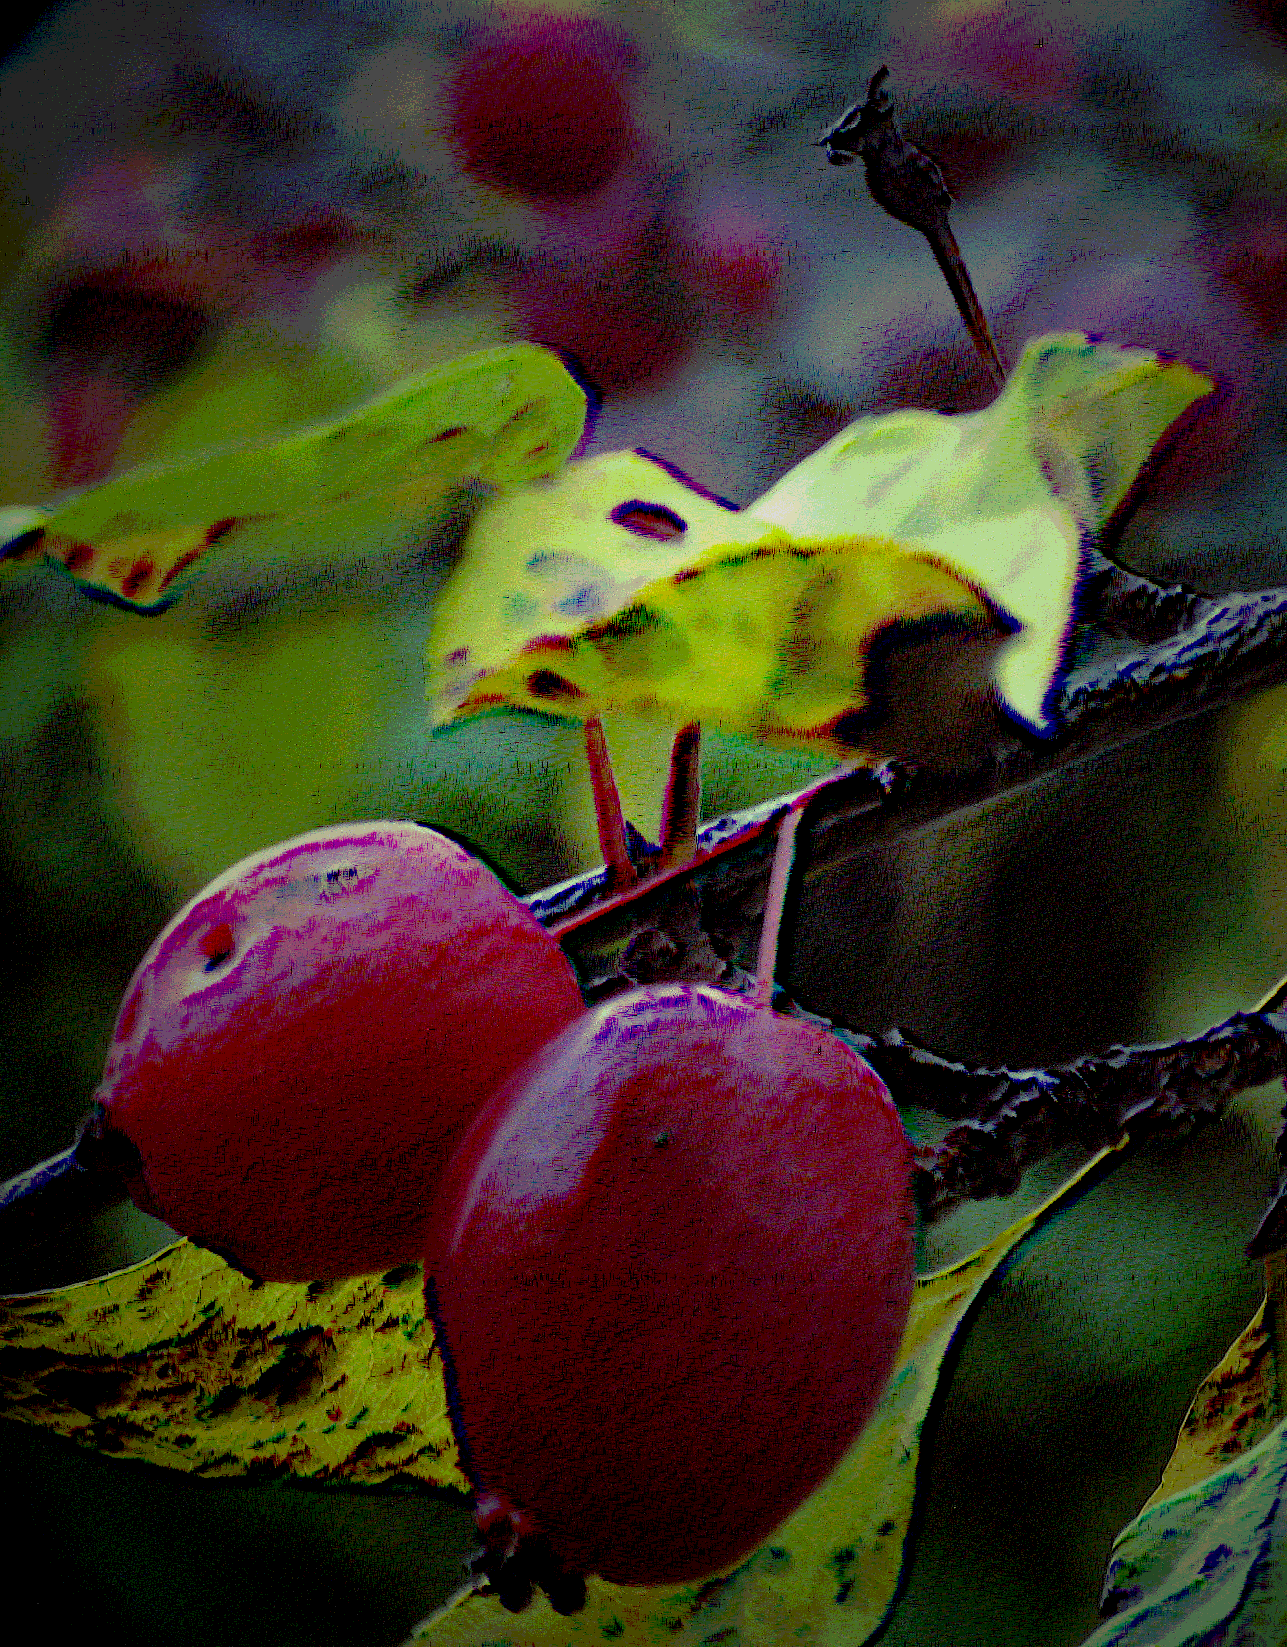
671 1267
306 1041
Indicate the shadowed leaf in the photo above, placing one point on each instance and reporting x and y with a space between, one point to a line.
1006 497
501 417
1207 1555
1209 1561
563 604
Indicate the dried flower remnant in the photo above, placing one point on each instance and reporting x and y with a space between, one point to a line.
909 185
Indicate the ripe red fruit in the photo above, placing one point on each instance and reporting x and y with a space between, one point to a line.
1032 54
306 1042
736 252
625 327
671 1267
539 106
1248 254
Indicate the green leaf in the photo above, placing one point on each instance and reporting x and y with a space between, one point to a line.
1208 1561
832 1571
182 1361
1236 1406
500 417
1207 1555
619 588
216 746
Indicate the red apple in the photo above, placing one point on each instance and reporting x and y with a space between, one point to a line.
671 1267
1030 53
307 1040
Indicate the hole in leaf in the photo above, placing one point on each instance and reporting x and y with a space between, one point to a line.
544 683
649 520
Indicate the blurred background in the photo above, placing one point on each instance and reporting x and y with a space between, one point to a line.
227 219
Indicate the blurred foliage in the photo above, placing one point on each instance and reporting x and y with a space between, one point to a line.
218 220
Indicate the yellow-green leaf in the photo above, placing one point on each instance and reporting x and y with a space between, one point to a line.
1235 1407
1004 497
1208 1562
617 588
831 1573
1208 1552
500 417
182 1361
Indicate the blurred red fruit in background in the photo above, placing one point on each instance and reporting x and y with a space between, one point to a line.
1249 254
626 326
1030 53
127 289
539 105
733 251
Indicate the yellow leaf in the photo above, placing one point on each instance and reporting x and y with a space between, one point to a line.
354 482
1235 1407
1004 497
182 1361
619 588
616 588
832 1571
1206 1553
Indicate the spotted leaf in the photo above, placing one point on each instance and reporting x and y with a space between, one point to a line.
1007 497
956 541
620 588
1206 1558
388 468
182 1361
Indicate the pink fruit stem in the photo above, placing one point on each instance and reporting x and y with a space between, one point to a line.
784 862
607 808
779 882
682 811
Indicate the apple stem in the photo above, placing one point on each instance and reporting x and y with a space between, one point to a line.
681 813
775 902
607 808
